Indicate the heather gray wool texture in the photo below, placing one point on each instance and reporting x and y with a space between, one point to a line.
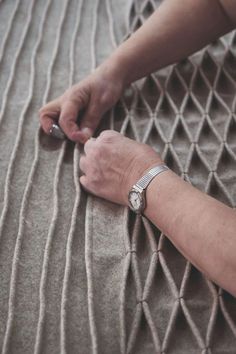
80 275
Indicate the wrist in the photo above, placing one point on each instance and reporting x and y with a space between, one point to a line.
113 70
161 195
137 172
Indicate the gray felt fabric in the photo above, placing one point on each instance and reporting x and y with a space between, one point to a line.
79 274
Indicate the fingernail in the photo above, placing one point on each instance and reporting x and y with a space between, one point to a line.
87 131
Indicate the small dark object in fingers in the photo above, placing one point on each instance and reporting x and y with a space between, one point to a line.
56 132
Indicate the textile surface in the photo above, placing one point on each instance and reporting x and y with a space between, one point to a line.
79 274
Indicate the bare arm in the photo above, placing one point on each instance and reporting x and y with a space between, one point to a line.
201 227
174 31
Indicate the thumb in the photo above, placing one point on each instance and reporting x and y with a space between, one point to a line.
68 117
88 125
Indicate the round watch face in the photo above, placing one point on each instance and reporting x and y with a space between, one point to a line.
135 200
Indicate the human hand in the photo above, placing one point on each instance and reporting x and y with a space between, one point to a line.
113 163
94 96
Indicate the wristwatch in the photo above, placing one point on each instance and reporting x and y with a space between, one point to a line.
136 196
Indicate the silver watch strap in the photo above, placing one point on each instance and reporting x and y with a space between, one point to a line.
148 177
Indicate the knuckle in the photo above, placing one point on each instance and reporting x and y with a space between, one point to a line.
108 135
77 94
105 134
92 177
85 181
50 109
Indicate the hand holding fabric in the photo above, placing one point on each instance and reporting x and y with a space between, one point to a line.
113 163
90 98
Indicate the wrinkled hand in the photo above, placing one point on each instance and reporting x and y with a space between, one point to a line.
94 96
112 164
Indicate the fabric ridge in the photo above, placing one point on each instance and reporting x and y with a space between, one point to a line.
79 274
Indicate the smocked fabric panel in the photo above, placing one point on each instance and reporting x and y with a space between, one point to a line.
82 275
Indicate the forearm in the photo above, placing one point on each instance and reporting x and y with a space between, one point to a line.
202 228
174 31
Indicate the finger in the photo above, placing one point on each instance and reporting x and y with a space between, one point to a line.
109 134
87 186
88 124
49 114
83 164
89 145
68 118
83 181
